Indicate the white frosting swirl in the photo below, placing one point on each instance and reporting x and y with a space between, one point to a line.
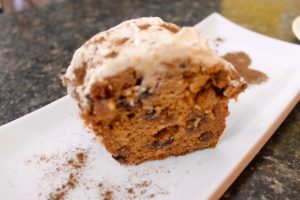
143 44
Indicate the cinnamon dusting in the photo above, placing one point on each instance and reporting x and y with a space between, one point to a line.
170 27
121 41
139 190
111 54
80 74
143 26
76 165
241 61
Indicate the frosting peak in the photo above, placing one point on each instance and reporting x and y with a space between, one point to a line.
142 44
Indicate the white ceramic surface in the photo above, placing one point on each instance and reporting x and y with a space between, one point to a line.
204 174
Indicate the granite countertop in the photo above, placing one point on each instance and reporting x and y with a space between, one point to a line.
36 47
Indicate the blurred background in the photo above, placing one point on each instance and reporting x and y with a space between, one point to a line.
271 17
19 5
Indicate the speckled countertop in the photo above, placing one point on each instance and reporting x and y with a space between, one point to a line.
36 47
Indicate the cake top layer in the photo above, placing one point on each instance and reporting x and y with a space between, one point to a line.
143 44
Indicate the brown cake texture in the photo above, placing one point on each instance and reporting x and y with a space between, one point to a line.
150 89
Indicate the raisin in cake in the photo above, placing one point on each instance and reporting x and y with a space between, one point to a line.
150 89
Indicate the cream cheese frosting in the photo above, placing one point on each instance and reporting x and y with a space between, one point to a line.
143 44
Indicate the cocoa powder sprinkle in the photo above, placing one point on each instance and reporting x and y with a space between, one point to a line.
108 195
241 61
130 190
72 165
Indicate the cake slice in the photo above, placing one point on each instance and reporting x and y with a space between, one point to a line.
150 89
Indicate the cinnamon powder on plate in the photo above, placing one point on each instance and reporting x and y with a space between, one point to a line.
76 165
241 61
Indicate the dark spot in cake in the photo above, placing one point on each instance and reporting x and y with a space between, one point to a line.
133 73
166 130
139 81
164 137
206 136
150 115
182 65
99 123
154 114
219 91
111 127
123 103
188 74
130 115
88 97
120 158
194 123
122 97
170 27
122 154
145 94
203 118
158 144
143 26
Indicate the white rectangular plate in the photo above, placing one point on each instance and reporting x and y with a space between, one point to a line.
204 174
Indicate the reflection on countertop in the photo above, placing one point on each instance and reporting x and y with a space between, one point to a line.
36 46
